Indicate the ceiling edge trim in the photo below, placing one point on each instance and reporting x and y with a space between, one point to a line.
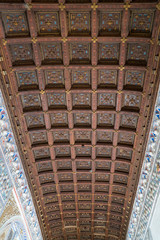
149 181
13 160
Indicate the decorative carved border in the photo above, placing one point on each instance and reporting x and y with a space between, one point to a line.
149 181
11 155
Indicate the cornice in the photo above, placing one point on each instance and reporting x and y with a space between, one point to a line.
12 157
149 181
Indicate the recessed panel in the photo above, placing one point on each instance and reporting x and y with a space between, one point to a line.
48 23
15 23
80 53
21 54
109 23
79 23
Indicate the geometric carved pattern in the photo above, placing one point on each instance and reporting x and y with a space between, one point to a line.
41 153
108 53
122 167
106 100
59 119
15 23
48 23
126 138
79 53
141 23
137 53
104 137
105 119
62 151
116 209
79 23
56 100
46 178
82 119
131 101
31 101
129 121
83 136
64 165
27 79
118 200
86 165
120 179
124 153
44 166
101 188
65 177
35 121
83 151
77 96
134 78
51 52
103 152
61 136
107 78
54 78
38 137
84 187
80 78
83 177
119 190
81 100
110 23
102 177
21 54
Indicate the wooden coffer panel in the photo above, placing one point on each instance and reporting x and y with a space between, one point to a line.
80 79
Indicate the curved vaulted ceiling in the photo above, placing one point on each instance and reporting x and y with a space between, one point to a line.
80 79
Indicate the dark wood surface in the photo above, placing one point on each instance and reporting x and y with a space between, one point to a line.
81 82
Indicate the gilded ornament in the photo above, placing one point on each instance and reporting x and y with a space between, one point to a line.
34 40
152 41
4 73
64 40
42 92
119 92
121 68
4 42
127 6
62 7
94 6
123 40
28 6
38 68
94 39
158 6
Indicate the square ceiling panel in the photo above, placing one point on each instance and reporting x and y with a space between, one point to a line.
27 80
54 78
76 76
48 23
108 53
110 23
15 23
137 54
51 52
141 22
80 53
81 78
107 78
21 54
79 23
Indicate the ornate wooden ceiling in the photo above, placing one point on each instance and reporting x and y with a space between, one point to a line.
80 81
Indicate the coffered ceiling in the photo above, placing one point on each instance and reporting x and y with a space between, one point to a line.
80 80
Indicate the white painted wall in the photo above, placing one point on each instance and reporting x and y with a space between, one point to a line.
155 221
